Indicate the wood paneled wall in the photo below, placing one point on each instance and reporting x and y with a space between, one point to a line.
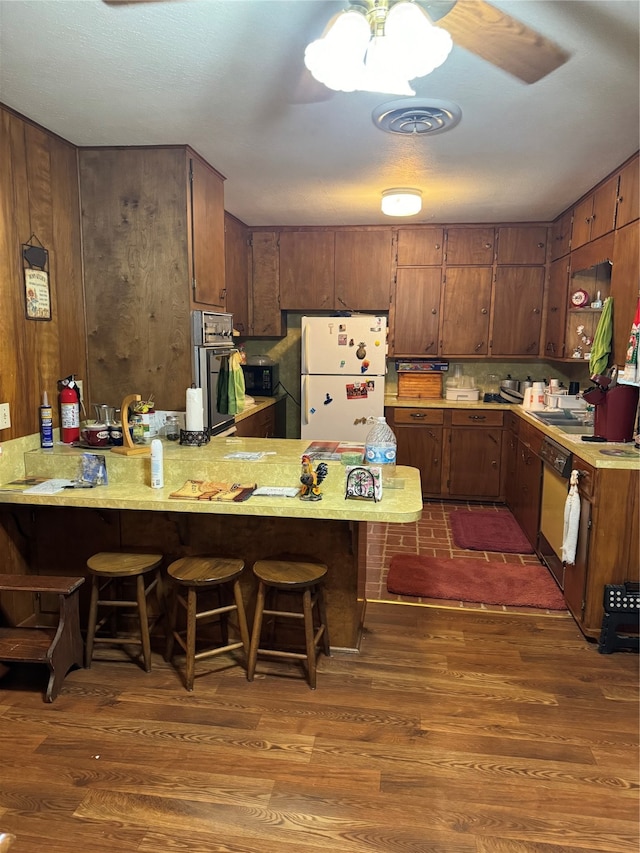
38 196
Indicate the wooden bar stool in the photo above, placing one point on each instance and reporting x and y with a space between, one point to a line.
109 570
292 577
219 575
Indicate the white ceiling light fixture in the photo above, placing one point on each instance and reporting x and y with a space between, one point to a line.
401 201
378 46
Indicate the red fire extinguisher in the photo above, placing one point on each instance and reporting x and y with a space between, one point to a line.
69 400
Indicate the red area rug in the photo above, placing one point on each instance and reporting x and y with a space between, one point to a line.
488 531
468 579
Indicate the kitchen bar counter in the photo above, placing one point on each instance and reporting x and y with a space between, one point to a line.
595 454
55 534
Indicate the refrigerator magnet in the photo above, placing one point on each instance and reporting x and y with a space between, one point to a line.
328 399
361 352
356 391
342 340
364 366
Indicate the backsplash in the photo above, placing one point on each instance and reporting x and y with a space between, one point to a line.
286 351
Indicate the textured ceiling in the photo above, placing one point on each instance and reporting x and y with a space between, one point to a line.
225 78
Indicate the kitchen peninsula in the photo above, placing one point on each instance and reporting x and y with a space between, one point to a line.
56 533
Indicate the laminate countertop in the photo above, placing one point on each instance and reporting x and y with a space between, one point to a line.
613 455
278 463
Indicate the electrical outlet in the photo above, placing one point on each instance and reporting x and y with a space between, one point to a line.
5 417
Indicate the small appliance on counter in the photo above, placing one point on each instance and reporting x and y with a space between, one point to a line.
261 376
461 388
615 410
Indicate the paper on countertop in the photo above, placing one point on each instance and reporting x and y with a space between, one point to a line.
243 454
48 487
277 491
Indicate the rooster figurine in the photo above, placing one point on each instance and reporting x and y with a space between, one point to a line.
311 479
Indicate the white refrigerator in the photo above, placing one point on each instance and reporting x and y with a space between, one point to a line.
343 373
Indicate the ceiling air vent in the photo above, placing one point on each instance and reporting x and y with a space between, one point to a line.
416 117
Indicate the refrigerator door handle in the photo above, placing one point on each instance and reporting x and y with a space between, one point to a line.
305 346
304 402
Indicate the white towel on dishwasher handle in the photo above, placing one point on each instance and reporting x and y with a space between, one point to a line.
571 521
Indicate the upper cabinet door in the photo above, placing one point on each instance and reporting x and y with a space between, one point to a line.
364 269
517 313
522 244
420 247
628 194
595 215
561 236
307 270
465 311
471 245
416 311
236 260
207 235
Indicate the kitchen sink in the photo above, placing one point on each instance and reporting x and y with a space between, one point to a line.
565 421
576 429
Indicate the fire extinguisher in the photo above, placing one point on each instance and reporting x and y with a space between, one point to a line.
69 400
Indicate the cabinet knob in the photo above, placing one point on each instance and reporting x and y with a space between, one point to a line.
483 311
487 245
494 464
437 245
479 346
429 346
433 311
536 310
541 245
553 309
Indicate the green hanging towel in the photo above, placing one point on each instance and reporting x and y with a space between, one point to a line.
601 346
222 391
236 384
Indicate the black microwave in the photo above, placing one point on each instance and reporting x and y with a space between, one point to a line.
260 379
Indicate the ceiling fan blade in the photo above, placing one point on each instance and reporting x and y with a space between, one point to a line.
503 40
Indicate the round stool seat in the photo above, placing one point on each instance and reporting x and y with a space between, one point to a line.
197 580
300 580
126 565
203 571
286 574
111 572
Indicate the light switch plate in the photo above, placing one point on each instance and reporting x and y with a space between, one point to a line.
5 417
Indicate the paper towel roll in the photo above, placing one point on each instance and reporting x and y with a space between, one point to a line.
195 411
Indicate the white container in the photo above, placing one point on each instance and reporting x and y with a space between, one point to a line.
157 467
463 395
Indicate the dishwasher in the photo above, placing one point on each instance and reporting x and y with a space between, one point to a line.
556 474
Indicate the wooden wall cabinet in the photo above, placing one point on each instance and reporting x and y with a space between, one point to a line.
153 245
265 317
420 247
557 301
307 270
628 208
363 269
470 245
522 244
236 262
414 316
561 235
465 312
625 279
517 311
595 215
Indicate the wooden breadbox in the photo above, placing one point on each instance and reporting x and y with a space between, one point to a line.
420 386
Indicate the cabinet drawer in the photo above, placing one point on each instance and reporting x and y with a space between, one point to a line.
432 417
477 417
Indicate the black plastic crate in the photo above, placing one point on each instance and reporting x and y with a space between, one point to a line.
621 621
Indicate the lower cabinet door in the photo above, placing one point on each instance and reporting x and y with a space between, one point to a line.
421 447
474 463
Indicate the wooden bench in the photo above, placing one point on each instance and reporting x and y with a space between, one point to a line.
60 647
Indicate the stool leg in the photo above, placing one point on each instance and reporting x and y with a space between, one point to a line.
93 618
144 622
322 613
191 637
255 634
242 618
171 627
307 609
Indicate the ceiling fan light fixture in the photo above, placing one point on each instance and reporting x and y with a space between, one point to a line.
378 52
401 201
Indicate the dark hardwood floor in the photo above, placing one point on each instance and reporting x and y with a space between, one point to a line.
453 731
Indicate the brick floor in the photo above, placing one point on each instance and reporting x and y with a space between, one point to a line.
431 537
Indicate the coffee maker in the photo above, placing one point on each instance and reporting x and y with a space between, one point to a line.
615 411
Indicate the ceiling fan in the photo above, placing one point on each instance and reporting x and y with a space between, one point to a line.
480 28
